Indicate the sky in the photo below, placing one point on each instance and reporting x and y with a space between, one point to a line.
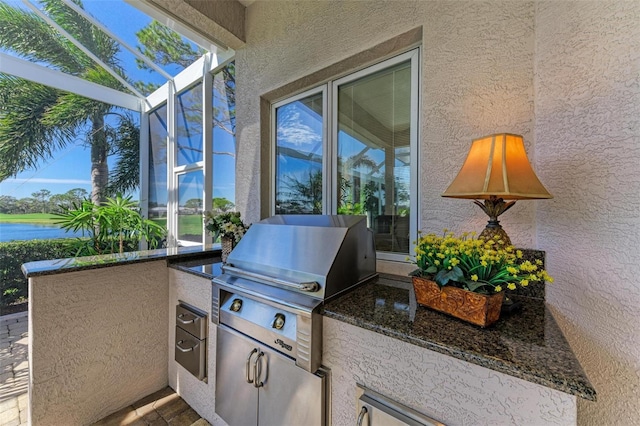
71 167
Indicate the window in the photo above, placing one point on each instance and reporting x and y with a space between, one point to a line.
224 140
373 152
366 163
190 206
189 126
198 172
299 143
158 165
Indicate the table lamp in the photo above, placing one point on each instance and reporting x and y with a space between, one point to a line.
497 168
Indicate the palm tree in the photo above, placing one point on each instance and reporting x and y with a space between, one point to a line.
37 120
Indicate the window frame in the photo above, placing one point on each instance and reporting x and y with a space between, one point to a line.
201 71
329 89
273 146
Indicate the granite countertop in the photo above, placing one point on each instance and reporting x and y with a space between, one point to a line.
203 267
527 344
58 266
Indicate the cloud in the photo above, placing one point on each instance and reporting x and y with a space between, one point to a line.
49 181
292 130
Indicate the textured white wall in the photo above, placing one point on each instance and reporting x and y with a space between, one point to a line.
444 388
563 74
477 79
97 341
200 395
588 150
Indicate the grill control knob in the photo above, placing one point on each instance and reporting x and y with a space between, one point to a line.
236 305
278 321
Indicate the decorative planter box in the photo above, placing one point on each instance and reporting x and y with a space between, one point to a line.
227 246
478 309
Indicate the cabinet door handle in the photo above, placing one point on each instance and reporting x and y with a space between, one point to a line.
180 320
363 413
183 348
246 368
257 370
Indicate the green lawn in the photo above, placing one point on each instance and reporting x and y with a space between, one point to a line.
29 218
187 224
190 224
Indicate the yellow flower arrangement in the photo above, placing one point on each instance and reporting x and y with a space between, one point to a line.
474 264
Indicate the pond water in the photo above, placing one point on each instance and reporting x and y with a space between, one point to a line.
32 231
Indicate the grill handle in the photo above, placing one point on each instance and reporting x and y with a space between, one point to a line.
257 371
310 286
363 413
246 368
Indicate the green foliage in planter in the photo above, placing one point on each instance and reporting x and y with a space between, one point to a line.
13 284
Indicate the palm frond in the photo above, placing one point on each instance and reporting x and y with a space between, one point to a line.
28 36
25 137
125 140
100 44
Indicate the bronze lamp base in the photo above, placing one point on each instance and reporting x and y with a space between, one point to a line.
494 207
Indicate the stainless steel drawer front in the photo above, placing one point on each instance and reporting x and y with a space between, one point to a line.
192 321
191 339
191 353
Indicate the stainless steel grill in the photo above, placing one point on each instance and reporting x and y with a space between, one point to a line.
267 301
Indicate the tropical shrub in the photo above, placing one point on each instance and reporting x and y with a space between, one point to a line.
13 284
113 227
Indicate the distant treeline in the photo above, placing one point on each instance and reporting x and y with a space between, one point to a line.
42 202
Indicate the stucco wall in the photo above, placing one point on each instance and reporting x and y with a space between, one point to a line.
588 150
97 341
444 388
200 395
477 79
566 76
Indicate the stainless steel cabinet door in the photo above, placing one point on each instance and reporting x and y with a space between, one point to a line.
290 396
236 400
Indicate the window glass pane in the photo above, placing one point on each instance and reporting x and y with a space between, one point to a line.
189 126
224 139
158 165
374 123
190 188
299 156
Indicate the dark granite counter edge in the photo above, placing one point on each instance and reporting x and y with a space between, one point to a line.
190 271
583 390
186 266
60 266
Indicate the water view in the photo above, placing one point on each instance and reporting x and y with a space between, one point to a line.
32 231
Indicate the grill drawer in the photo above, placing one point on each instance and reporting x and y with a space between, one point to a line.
191 340
191 353
192 321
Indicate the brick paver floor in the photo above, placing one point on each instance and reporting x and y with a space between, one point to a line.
164 407
14 369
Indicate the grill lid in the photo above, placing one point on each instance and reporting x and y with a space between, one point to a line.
319 255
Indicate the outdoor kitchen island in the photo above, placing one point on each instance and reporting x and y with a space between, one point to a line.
519 371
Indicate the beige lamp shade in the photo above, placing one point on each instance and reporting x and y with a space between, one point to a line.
497 165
